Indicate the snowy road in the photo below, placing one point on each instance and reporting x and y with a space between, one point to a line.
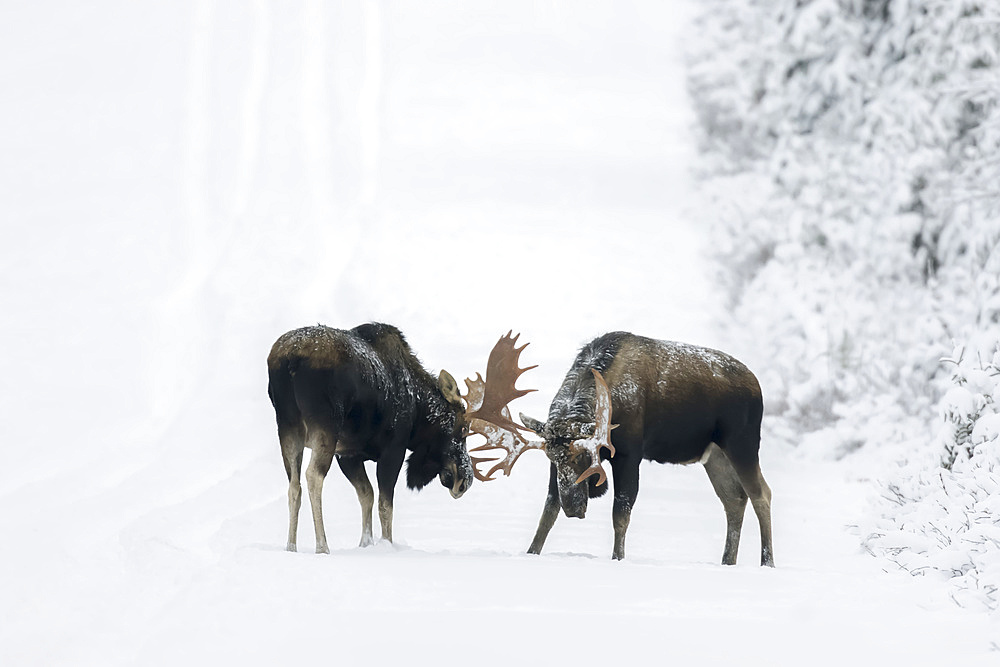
185 182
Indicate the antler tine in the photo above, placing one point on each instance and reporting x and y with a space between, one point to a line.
519 350
595 469
488 477
474 396
499 388
602 430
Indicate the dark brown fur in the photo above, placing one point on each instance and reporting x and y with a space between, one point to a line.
362 395
674 403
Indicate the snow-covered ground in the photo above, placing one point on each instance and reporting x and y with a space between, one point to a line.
182 183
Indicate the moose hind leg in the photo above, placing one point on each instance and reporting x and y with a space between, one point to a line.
728 487
292 445
549 513
762 507
760 497
354 469
322 447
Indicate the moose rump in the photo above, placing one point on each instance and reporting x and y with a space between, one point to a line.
680 403
329 394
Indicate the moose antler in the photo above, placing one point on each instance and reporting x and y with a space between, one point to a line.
499 390
512 442
487 413
602 431
473 401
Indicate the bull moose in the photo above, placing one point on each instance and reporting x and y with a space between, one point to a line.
362 395
673 403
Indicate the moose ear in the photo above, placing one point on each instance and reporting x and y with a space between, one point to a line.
532 424
449 388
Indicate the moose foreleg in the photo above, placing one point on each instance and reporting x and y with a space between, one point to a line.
626 476
549 513
354 469
387 472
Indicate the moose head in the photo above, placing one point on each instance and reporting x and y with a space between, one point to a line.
572 444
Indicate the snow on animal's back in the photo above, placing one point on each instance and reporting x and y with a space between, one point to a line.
668 367
325 347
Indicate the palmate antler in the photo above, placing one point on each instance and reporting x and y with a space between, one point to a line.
487 412
488 415
498 438
499 390
602 431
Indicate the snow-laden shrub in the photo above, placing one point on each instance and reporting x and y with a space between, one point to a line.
970 409
850 157
942 517
851 162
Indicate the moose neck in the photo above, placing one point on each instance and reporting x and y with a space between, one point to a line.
575 399
434 413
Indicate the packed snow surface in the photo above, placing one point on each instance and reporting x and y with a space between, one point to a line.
183 183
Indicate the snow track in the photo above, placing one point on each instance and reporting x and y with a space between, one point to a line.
189 182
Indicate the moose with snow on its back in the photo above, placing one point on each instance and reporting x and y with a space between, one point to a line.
673 403
362 395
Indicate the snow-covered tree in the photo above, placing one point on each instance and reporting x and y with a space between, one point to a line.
851 155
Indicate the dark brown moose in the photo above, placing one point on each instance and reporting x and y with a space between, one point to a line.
671 403
362 395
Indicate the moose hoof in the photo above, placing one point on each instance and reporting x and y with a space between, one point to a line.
291 547
323 549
